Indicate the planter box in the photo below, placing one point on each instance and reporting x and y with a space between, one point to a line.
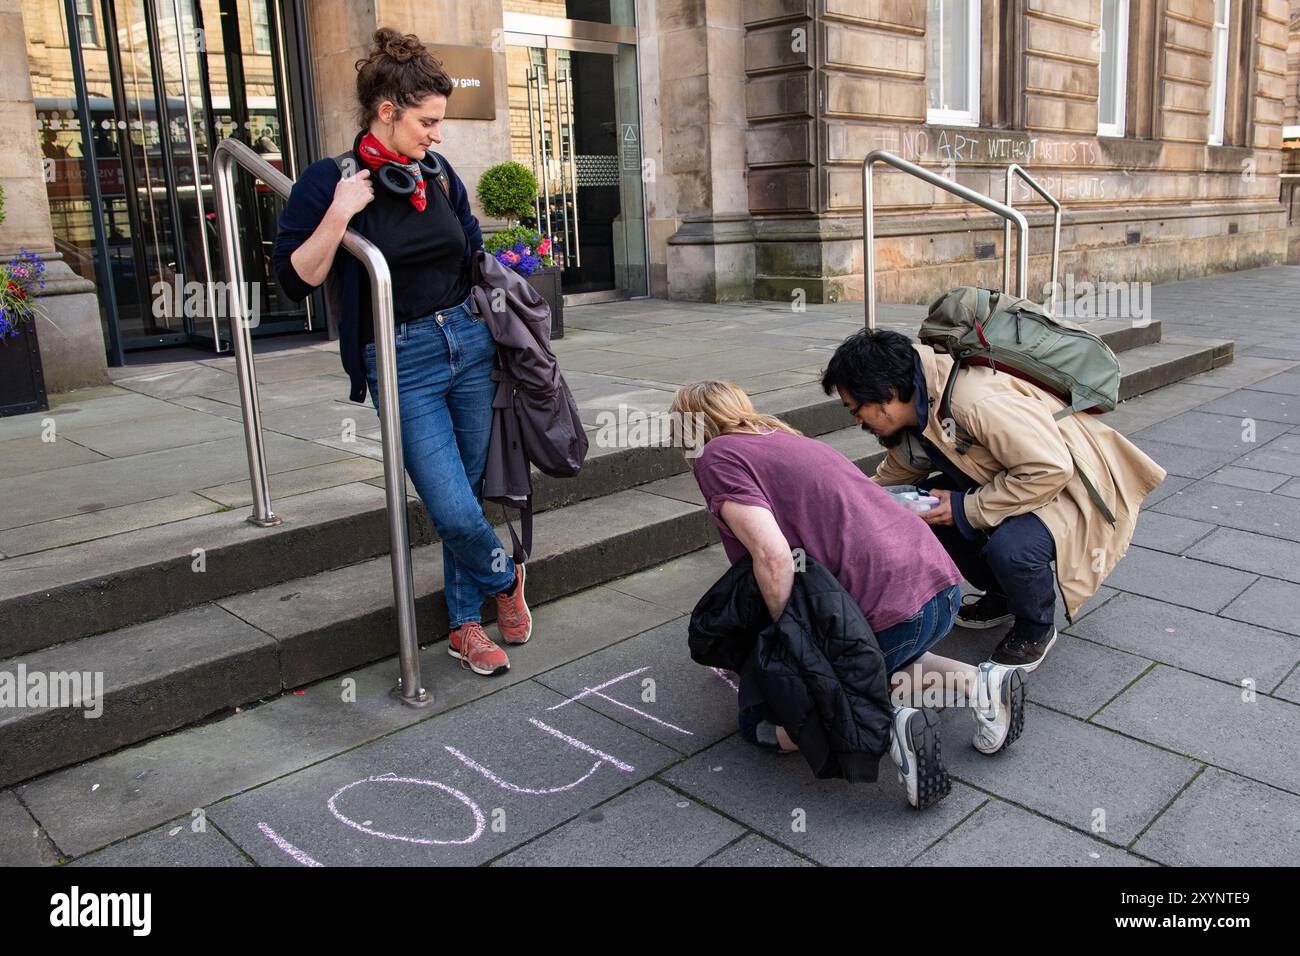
22 381
547 282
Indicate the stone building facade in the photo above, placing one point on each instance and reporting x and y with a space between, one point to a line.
705 149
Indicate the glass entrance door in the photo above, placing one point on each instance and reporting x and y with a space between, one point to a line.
165 80
575 121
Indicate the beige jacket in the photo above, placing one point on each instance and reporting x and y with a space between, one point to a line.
1022 463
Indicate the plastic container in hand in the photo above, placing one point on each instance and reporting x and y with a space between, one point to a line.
911 498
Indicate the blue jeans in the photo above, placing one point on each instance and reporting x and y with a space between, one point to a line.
445 390
907 640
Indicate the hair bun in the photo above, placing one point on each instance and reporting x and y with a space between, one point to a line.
398 46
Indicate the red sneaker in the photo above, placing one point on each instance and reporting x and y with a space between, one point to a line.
470 645
513 617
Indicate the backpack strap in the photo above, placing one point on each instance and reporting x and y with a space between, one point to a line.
965 440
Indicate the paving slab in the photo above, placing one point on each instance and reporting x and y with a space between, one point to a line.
1079 678
74 529
1247 478
753 850
445 792
118 481
999 834
1192 640
238 494
1161 532
649 683
177 378
1213 722
650 825
1177 579
29 455
1247 404
1209 431
832 822
1144 410
85 409
177 843
1283 383
1238 508
178 427
272 395
22 842
679 583
1289 689
1185 460
1274 457
1268 603
1170 486
124 793
1260 828
1245 371
1067 770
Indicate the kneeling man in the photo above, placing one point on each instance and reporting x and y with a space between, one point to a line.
1013 492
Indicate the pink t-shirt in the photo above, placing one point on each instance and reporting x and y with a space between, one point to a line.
883 554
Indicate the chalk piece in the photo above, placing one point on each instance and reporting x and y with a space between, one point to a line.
716 769
683 803
173 831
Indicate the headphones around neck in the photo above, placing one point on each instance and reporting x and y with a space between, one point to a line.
399 181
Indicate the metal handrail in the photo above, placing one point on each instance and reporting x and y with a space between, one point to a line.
941 182
1015 169
228 154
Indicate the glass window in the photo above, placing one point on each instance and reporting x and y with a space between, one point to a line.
953 63
261 27
1219 70
1113 89
87 29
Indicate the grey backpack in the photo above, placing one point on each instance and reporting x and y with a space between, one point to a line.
1017 336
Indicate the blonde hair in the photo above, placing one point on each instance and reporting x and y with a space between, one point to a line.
721 408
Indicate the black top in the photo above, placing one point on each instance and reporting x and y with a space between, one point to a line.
425 250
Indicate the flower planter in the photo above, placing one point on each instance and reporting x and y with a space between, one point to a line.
22 381
547 281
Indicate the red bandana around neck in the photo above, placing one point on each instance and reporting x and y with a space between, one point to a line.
375 154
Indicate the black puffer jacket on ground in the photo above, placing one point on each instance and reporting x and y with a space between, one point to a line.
818 670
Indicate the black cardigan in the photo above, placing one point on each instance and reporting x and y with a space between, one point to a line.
310 198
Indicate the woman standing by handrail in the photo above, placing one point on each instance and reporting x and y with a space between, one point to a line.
419 217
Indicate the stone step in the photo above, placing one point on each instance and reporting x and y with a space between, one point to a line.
73 592
247 645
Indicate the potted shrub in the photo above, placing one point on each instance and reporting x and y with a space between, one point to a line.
22 382
526 251
507 191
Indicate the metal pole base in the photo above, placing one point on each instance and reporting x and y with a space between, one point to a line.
421 699
270 521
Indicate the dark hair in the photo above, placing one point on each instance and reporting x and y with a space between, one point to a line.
871 366
399 68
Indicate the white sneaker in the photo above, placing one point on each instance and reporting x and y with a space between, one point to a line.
999 706
914 747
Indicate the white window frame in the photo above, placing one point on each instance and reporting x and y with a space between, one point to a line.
971 115
1219 38
1121 71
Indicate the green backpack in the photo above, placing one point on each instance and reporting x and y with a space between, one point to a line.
1019 337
